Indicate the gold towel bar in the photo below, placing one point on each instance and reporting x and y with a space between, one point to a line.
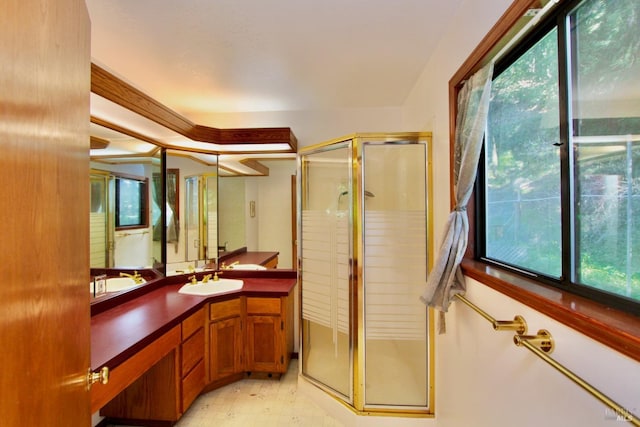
542 344
621 413
518 323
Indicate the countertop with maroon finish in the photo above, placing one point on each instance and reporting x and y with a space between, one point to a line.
243 257
121 331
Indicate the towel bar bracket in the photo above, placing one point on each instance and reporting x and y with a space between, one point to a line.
543 340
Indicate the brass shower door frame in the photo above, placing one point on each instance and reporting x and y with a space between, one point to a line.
356 141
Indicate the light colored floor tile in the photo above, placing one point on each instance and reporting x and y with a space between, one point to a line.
257 403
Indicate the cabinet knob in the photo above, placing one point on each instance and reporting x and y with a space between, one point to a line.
101 376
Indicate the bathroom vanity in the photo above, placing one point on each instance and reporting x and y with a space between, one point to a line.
164 348
242 256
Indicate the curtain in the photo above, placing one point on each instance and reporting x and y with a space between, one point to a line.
173 228
446 278
156 189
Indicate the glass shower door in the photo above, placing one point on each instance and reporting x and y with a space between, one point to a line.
211 216
394 236
192 218
201 219
325 258
363 263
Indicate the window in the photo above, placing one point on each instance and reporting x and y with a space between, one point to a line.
131 202
559 184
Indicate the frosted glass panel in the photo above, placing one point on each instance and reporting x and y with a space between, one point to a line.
211 216
98 223
395 270
191 220
325 259
363 265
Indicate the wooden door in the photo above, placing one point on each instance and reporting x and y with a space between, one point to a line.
44 207
226 348
264 351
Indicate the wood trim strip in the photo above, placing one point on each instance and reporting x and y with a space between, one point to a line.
118 91
477 59
97 143
107 124
110 87
615 329
261 169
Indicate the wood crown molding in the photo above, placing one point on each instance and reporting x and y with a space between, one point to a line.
110 87
98 143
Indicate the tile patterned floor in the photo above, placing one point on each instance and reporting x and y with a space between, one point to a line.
254 402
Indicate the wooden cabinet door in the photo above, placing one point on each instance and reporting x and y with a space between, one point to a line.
264 348
225 338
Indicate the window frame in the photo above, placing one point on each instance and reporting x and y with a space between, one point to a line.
612 327
144 201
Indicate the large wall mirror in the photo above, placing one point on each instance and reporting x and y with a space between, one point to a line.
125 215
192 211
158 173
258 212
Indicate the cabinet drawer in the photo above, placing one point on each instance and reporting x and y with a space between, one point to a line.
223 309
263 305
192 385
192 323
192 351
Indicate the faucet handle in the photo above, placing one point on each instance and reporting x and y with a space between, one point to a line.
193 279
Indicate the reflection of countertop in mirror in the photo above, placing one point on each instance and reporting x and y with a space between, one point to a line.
268 259
123 330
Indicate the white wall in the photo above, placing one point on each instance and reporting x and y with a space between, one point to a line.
482 378
273 211
231 209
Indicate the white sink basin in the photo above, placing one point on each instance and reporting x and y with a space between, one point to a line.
246 267
116 284
212 287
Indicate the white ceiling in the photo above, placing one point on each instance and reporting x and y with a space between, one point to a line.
230 56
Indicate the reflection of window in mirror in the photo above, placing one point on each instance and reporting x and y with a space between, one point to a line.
98 195
173 213
131 202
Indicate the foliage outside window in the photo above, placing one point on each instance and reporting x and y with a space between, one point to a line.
131 202
560 180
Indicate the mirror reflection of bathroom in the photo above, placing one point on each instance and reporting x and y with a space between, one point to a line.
258 212
192 199
201 217
125 209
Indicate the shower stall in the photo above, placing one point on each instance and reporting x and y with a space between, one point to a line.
362 262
